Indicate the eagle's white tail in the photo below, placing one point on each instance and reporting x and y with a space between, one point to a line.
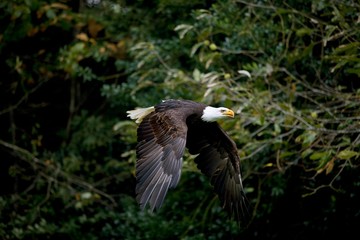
139 113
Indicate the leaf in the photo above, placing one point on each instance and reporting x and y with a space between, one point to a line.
309 138
269 165
50 14
83 37
195 48
352 47
304 31
59 6
323 159
183 29
347 154
329 166
307 152
197 75
86 195
318 155
287 154
94 28
244 72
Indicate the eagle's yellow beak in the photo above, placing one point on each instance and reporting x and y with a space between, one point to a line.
229 113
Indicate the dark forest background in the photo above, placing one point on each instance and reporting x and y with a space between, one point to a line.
71 69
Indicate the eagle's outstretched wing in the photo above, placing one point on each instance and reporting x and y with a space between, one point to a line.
218 159
161 145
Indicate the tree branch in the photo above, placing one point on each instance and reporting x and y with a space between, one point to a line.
29 157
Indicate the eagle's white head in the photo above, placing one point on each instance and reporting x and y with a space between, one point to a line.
212 114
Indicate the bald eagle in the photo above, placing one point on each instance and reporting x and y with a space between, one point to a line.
165 131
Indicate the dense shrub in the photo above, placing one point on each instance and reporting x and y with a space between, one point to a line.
71 69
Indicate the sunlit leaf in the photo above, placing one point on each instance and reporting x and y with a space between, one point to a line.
182 29
82 37
245 73
347 154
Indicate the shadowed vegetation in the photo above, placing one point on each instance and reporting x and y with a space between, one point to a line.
70 71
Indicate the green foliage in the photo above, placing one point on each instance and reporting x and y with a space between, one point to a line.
71 71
